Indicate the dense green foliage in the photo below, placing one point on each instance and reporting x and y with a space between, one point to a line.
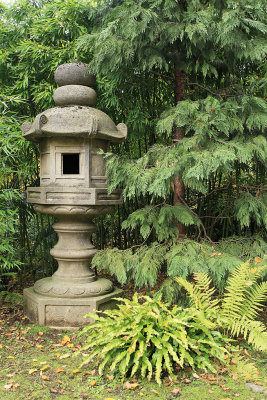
149 337
238 309
136 49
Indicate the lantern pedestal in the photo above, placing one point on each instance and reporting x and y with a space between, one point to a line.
74 289
65 312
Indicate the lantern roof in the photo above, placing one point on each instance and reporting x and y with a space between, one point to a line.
74 115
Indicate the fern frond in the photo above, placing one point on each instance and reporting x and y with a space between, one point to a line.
244 368
200 293
254 300
253 331
239 284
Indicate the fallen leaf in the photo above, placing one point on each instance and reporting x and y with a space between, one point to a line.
93 383
76 371
57 355
235 376
45 368
257 260
16 386
236 394
10 357
7 387
40 333
53 391
109 398
64 356
110 377
65 340
154 391
166 384
45 378
130 386
186 381
32 371
195 375
59 370
109 390
39 346
232 362
177 390
247 353
210 391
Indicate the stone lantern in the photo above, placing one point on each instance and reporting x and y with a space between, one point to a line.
73 188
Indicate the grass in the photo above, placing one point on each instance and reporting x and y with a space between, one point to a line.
39 363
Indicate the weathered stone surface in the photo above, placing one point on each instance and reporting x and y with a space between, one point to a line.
83 197
74 94
75 121
65 313
51 287
74 74
73 188
256 388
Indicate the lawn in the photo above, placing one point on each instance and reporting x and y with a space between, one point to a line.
39 363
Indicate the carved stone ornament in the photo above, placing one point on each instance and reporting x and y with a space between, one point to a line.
73 136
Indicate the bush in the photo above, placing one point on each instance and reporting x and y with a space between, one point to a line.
146 336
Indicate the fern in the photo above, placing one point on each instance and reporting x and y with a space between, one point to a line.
240 305
149 338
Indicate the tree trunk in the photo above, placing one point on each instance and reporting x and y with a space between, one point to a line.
179 189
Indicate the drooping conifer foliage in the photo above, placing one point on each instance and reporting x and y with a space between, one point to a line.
188 79
206 169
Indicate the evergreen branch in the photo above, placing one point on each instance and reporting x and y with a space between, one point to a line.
197 216
204 88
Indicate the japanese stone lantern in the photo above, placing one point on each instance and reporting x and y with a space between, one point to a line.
73 188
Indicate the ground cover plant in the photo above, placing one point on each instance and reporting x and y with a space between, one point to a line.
148 337
37 363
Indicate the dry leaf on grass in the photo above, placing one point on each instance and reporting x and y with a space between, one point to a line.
65 340
45 368
32 371
130 386
176 390
64 356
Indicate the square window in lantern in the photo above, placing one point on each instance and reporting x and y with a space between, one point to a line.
71 163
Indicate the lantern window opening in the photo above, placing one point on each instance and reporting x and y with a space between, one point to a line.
70 163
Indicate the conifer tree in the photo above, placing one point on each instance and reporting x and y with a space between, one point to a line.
207 168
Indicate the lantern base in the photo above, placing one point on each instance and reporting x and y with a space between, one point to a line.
65 313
